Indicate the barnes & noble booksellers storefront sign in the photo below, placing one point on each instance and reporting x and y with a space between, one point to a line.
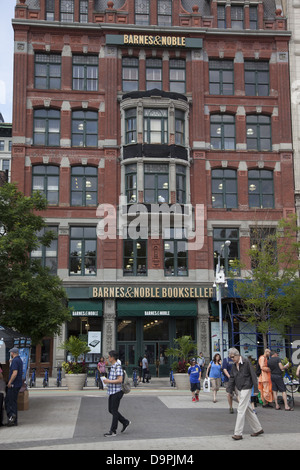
151 40
140 292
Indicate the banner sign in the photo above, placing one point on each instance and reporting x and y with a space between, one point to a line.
140 292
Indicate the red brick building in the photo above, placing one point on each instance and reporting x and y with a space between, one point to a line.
182 102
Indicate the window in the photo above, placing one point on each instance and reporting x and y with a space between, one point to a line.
4 164
164 12
179 127
131 183
2 145
153 74
50 10
130 74
221 17
256 78
176 254
67 11
85 73
258 128
228 254
47 255
83 11
180 184
237 17
84 129
156 126
142 9
46 127
135 258
156 183
177 75
83 243
47 71
84 186
130 126
224 188
253 17
261 188
222 132
45 178
221 77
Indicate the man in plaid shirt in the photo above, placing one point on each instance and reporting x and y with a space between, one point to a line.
114 391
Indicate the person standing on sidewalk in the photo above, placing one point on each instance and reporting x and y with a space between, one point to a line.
145 367
243 378
264 380
15 381
278 384
227 366
115 394
194 372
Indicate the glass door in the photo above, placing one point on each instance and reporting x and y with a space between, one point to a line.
157 360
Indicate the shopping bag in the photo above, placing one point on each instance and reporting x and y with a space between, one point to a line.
206 385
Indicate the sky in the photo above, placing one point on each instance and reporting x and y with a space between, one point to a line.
7 12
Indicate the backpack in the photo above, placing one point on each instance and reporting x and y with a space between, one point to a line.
126 387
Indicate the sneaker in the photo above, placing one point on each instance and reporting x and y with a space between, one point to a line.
125 426
110 434
197 397
12 421
193 399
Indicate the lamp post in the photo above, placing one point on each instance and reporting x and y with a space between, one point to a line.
220 281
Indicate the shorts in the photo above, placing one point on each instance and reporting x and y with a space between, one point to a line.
215 383
278 384
195 386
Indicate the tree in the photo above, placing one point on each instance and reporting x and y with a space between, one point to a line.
32 300
268 295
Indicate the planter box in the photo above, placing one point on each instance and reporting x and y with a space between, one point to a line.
75 381
182 381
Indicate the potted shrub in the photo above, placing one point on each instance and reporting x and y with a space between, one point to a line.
75 370
184 348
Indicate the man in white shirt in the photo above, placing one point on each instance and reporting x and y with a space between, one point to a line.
145 369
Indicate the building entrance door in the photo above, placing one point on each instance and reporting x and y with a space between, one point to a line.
159 363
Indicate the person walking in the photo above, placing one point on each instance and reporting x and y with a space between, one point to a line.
278 384
115 394
15 381
264 380
201 362
214 372
243 378
227 366
145 366
194 372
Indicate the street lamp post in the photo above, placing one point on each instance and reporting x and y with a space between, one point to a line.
220 281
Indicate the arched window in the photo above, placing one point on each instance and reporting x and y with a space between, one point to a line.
222 132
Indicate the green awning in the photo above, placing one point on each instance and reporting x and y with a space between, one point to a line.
86 308
156 308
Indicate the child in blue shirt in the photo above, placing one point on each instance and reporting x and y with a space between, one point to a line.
194 372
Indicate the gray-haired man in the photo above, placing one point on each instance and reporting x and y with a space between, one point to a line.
243 378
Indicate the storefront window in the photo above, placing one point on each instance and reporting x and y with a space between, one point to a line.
127 330
156 329
185 327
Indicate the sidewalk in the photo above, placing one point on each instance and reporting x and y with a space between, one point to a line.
162 418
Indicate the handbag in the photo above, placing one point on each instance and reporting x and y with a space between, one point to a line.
206 385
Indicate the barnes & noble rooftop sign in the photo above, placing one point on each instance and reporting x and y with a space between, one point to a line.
156 41
140 292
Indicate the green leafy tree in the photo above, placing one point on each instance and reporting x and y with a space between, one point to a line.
184 348
268 294
32 300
